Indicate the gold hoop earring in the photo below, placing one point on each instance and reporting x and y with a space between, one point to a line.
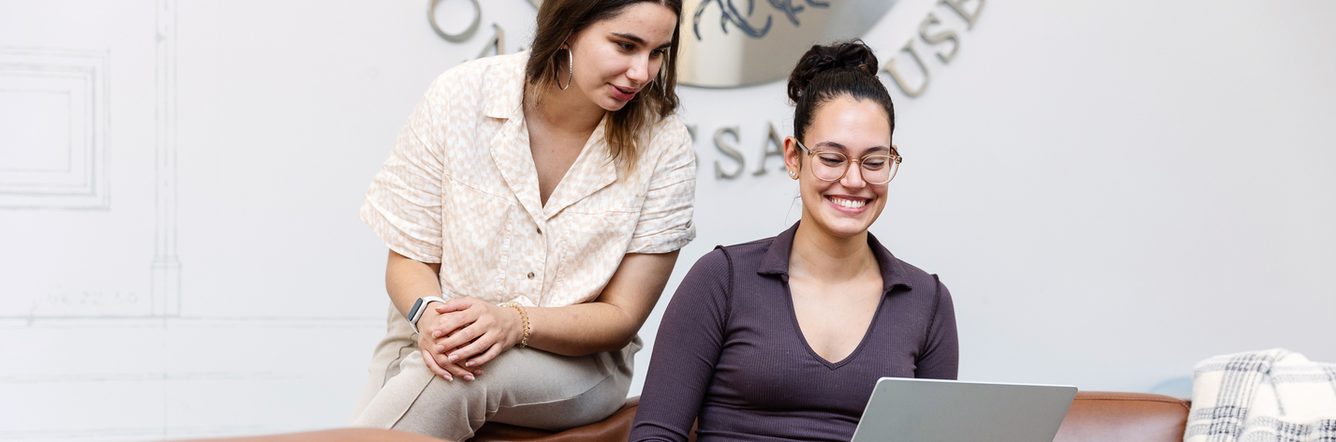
570 71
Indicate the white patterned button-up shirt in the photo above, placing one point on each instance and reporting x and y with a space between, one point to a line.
461 189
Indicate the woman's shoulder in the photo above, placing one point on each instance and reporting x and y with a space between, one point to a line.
670 125
747 255
921 282
665 152
750 249
718 267
668 135
472 73
915 275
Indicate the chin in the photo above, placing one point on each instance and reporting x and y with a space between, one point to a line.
843 227
612 105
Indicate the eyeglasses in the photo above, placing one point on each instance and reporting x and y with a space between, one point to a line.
830 166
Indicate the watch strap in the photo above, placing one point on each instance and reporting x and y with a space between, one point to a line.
420 307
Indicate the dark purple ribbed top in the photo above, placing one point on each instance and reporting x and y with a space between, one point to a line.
729 351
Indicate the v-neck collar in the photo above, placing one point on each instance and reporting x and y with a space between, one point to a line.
801 337
775 263
592 170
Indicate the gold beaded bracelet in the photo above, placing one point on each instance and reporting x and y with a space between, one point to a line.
524 318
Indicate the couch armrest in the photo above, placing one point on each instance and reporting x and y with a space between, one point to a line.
1097 416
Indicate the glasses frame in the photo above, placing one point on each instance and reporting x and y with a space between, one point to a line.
894 156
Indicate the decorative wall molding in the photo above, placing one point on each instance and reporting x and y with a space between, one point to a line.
68 173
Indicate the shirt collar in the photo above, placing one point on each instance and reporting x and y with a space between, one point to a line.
504 94
503 98
776 259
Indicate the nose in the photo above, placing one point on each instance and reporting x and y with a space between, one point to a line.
853 176
639 70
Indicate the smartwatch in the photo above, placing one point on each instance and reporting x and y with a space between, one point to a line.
420 306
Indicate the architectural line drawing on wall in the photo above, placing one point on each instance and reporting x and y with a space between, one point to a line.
166 290
71 81
84 75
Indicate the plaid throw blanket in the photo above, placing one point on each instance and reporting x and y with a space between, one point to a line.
1272 395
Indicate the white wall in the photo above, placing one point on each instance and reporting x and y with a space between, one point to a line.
1112 191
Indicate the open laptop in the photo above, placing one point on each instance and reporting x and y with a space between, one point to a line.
924 410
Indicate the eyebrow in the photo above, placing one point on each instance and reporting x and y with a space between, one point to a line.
842 147
637 40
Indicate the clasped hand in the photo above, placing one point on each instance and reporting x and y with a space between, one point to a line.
461 335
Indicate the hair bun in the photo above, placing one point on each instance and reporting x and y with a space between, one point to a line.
852 55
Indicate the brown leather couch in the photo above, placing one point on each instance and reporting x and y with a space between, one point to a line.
1093 417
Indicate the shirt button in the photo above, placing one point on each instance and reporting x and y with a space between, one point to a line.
530 275
539 230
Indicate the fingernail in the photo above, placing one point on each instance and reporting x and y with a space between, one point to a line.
448 377
468 364
451 358
468 377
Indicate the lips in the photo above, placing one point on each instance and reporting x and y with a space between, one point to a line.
623 94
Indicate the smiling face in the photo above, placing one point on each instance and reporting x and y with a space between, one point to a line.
846 207
618 57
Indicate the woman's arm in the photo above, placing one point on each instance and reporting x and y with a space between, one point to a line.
406 280
686 352
941 357
611 321
481 331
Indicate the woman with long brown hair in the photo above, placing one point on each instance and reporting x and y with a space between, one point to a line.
533 206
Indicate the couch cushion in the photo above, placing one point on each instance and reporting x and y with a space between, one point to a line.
615 428
339 435
1094 417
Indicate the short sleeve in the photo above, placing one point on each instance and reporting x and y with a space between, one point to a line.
665 218
403 205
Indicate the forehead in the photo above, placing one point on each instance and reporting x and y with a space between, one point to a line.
857 124
651 21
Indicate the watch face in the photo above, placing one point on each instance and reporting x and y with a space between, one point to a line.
412 311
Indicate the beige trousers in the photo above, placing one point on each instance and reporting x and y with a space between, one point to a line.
526 387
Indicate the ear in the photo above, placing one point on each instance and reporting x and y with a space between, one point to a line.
792 156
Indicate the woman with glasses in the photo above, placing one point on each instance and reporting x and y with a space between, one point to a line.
533 208
784 338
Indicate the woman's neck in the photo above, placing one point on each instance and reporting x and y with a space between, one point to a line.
567 110
818 255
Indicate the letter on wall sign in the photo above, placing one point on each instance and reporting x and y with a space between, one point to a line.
729 150
497 45
462 36
898 77
959 7
943 36
773 147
